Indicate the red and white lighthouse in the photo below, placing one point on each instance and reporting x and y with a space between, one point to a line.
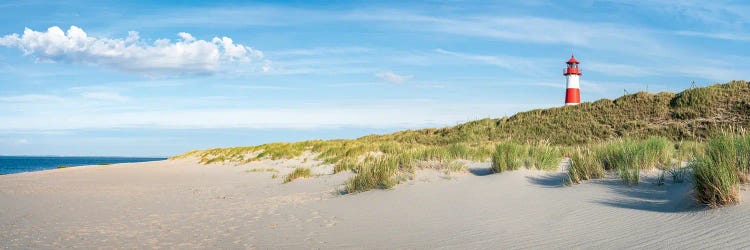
572 76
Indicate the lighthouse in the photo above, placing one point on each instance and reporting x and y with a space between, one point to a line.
572 76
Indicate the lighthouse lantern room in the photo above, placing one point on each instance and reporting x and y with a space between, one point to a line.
572 76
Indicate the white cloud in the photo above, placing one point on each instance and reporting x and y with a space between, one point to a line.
186 55
391 77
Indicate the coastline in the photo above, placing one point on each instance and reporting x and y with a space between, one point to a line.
15 164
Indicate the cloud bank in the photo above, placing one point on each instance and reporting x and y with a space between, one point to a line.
187 55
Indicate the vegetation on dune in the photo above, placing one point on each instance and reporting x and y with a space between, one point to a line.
584 165
378 172
693 114
686 151
718 173
622 136
274 151
543 157
507 157
626 157
298 173
513 156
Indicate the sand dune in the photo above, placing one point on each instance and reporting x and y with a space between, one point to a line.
180 204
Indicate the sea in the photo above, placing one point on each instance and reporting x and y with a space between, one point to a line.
19 164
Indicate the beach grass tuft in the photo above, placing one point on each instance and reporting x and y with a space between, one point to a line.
375 173
718 173
629 157
298 173
508 156
584 165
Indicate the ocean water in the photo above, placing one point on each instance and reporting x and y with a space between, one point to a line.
19 164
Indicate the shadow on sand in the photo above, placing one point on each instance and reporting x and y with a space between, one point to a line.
647 196
480 171
550 180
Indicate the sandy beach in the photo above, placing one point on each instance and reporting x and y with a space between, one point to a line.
182 204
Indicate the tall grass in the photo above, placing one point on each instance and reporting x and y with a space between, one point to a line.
508 156
543 157
584 165
718 173
629 157
688 150
626 157
512 156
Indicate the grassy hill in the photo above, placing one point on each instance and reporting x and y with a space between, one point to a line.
693 114
623 135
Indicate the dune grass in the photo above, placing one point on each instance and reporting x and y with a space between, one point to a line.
584 165
686 151
376 173
718 173
628 157
297 173
543 157
508 156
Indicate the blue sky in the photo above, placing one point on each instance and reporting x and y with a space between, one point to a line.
158 79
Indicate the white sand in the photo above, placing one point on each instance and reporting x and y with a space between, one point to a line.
180 204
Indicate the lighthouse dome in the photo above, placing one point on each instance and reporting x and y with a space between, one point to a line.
572 60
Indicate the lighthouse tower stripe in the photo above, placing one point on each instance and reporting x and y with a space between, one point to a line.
573 81
572 96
